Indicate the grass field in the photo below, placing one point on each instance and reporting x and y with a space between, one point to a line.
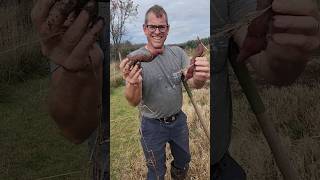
124 132
127 159
295 111
31 146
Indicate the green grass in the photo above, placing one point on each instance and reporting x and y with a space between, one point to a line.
124 133
31 146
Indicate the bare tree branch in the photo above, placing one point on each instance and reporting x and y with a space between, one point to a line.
120 13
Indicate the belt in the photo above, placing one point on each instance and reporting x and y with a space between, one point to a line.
169 119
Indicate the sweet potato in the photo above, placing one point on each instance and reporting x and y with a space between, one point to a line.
134 59
256 40
198 53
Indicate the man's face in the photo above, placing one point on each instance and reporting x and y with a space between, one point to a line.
156 30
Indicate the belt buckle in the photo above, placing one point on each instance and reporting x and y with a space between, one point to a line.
170 119
165 120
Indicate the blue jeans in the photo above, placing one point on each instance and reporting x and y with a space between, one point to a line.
154 137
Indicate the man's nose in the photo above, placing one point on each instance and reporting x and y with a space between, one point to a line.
157 31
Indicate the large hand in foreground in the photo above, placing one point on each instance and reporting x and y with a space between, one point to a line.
294 35
67 39
295 30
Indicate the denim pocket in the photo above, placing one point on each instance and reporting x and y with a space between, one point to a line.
149 128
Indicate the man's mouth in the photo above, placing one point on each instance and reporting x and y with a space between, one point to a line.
157 38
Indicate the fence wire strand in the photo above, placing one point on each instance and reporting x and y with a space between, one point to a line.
229 29
226 31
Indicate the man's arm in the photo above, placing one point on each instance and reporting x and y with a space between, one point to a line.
74 101
295 35
75 90
133 88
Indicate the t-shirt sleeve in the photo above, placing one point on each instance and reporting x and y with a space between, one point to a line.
240 8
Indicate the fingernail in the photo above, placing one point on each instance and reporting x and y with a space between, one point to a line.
91 8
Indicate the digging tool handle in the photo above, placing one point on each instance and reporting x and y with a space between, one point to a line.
280 152
196 108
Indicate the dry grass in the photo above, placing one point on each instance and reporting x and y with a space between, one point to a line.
20 55
295 111
116 79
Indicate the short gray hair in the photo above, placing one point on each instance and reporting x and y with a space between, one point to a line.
158 11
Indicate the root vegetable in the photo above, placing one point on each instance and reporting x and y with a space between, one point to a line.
256 40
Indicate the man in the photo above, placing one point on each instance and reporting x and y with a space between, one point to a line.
70 42
296 34
156 87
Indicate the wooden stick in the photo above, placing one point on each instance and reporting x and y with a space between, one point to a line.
280 152
185 84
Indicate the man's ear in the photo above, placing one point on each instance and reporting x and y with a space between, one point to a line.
144 29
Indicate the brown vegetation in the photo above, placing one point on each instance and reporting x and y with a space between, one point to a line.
295 111
20 56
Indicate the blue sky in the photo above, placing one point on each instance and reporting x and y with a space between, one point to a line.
188 19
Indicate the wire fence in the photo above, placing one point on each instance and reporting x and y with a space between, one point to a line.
20 55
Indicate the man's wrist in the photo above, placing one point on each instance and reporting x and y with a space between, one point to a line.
196 83
135 84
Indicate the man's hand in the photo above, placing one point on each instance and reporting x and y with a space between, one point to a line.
132 75
201 72
295 29
67 39
125 68
294 35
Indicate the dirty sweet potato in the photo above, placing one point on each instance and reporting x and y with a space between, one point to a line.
256 39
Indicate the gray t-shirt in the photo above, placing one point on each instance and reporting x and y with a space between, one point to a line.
230 12
161 82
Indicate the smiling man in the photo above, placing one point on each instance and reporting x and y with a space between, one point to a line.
157 89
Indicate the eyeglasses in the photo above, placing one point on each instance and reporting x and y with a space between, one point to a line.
162 28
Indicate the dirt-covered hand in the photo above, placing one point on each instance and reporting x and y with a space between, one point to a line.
125 68
134 77
68 38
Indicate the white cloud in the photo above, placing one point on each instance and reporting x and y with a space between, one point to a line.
187 20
